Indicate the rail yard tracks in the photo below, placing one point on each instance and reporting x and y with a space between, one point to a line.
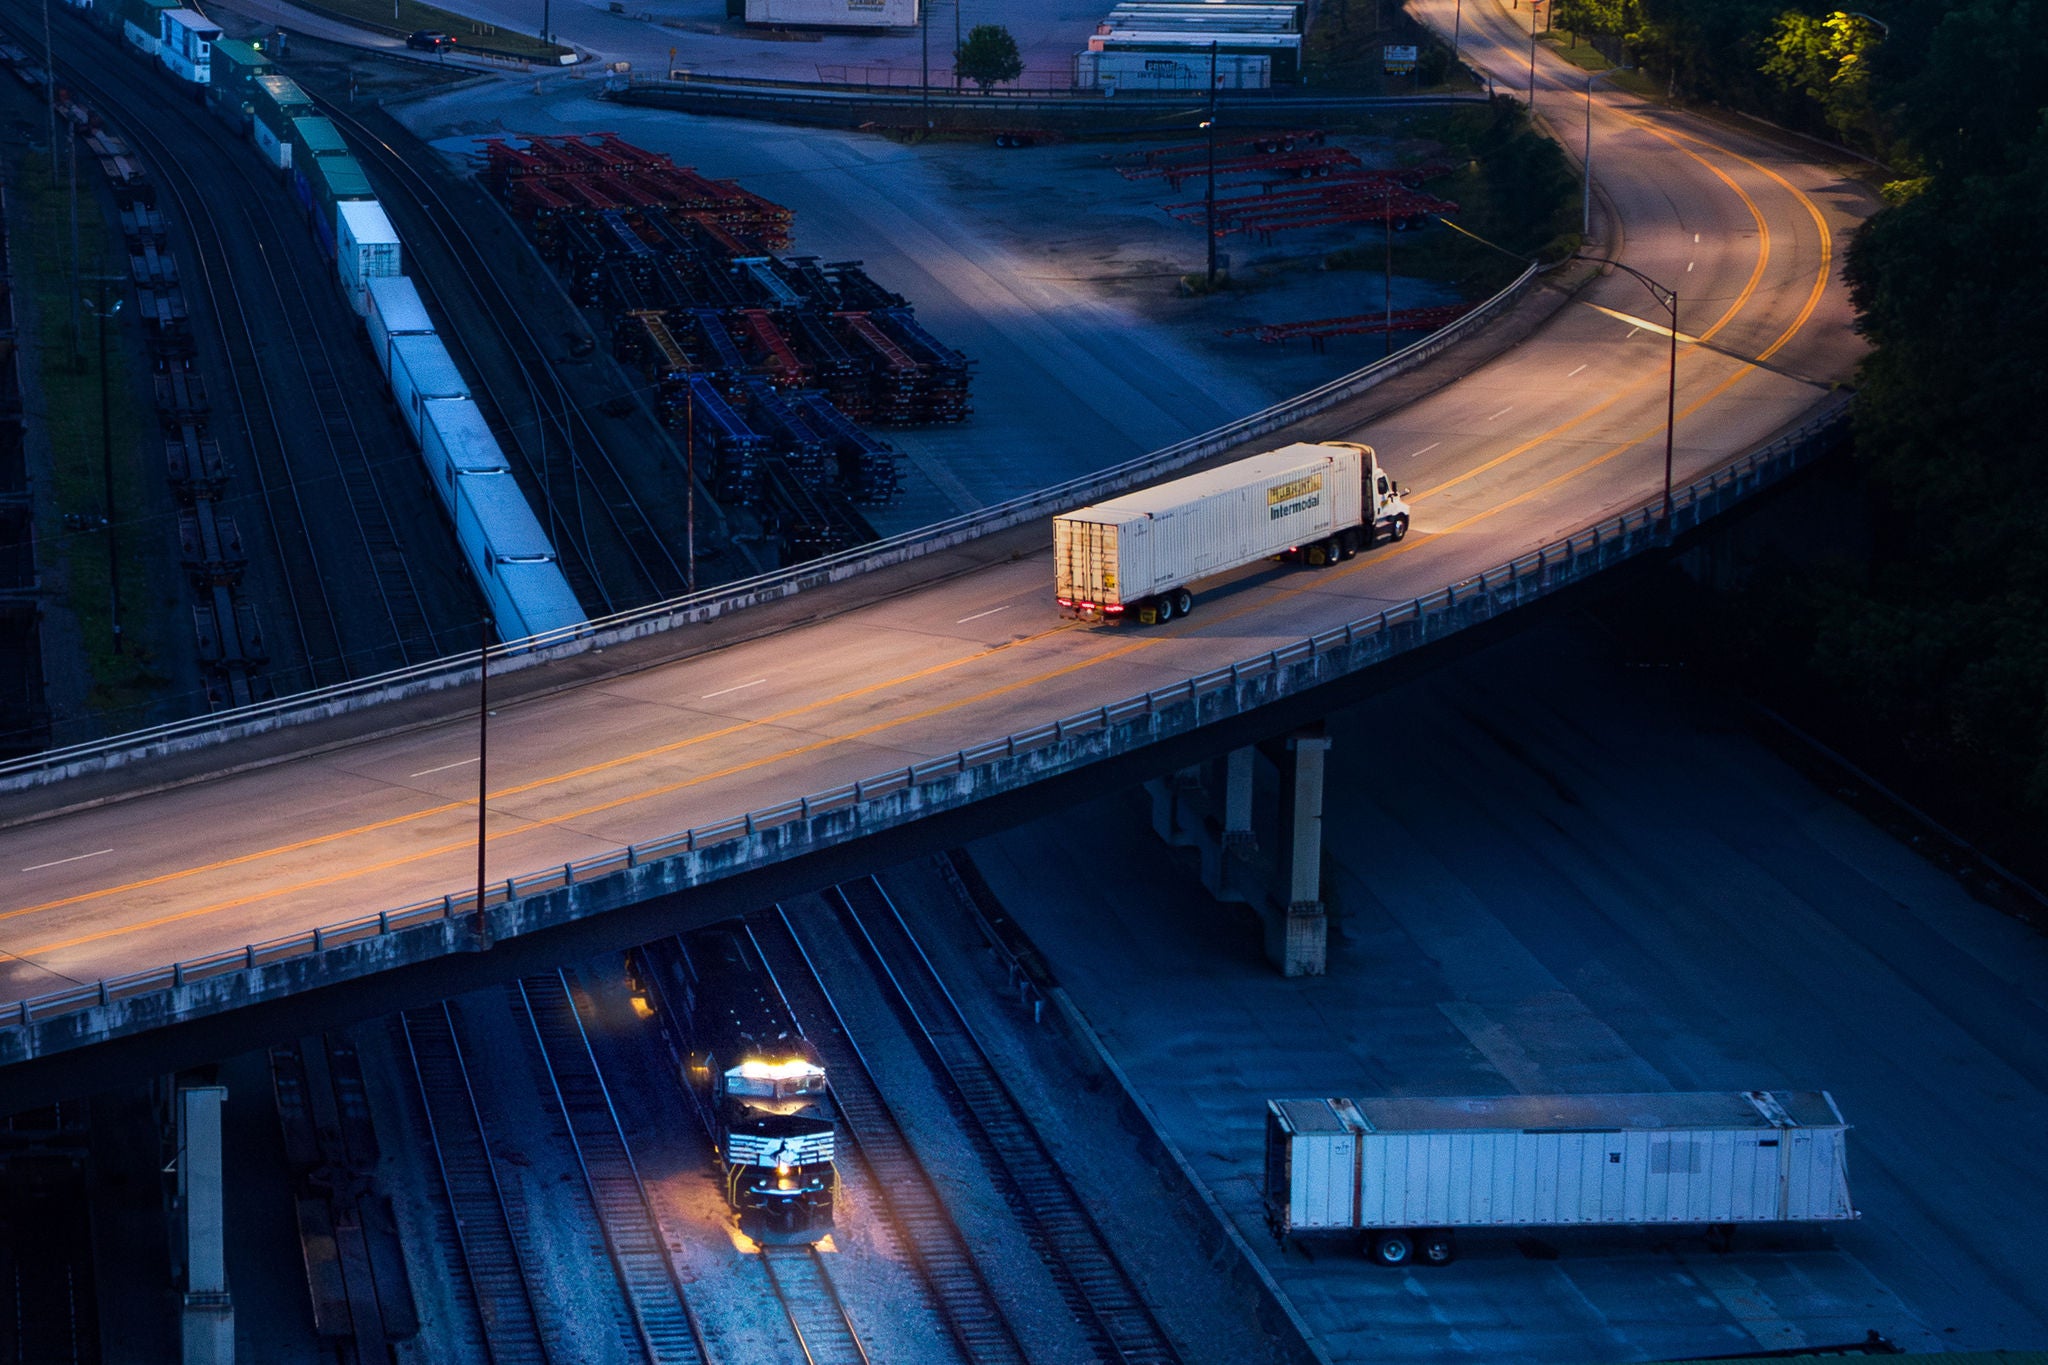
803 1286
1090 1278
918 1215
632 1231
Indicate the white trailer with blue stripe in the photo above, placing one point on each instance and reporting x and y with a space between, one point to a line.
1405 1175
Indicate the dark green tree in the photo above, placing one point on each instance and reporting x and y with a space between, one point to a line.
988 57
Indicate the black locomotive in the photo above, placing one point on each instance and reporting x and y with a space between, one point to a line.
756 1081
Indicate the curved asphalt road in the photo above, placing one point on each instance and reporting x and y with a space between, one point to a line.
1552 436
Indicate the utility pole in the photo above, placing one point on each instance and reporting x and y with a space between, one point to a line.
924 37
480 927
1387 220
956 46
690 483
1209 200
107 472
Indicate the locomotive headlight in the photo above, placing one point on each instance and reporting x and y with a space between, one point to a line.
783 1182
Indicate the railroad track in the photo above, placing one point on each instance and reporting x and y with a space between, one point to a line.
617 554
493 1252
926 1231
803 1286
632 1233
1088 1274
305 471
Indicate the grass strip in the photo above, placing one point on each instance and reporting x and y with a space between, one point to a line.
473 35
126 684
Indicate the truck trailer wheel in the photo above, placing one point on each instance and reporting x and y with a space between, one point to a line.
1437 1248
1393 1248
1183 601
1162 609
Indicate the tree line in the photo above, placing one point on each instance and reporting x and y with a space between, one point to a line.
1934 644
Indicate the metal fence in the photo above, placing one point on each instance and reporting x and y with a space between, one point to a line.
54 765
791 828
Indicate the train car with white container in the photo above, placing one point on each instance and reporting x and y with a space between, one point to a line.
366 248
421 371
455 440
395 310
1139 555
511 557
185 46
1405 1176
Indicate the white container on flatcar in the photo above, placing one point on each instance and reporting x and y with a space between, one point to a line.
185 45
421 371
366 248
1411 1170
395 311
455 440
510 556
537 599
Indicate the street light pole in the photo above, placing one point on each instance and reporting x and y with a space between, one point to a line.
1457 22
1668 298
924 79
480 927
1534 7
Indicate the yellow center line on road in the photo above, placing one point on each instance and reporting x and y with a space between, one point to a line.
1748 291
520 789
531 824
1799 322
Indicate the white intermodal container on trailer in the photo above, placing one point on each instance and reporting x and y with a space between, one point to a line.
1139 554
366 248
1407 1174
421 371
395 311
511 556
835 13
455 440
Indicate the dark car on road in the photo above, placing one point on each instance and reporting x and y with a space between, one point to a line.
429 40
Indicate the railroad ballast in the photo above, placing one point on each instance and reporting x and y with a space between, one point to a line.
1140 554
1404 1174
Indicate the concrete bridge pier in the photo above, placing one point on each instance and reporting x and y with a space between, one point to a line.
1212 809
207 1322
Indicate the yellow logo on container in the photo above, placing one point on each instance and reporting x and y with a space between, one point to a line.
1285 499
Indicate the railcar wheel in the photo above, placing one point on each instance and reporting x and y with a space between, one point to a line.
1438 1248
1393 1248
1183 601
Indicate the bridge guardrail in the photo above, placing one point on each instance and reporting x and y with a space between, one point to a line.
1352 646
53 765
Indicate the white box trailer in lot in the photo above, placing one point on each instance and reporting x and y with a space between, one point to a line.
395 311
366 247
1169 71
421 371
1407 1173
455 440
835 13
1138 554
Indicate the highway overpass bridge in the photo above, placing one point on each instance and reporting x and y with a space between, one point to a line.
181 894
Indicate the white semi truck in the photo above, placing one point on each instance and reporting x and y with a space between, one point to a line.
1139 555
1403 1176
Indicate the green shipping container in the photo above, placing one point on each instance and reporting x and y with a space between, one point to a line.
236 65
274 101
312 137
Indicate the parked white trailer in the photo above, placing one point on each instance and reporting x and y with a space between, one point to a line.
835 13
366 248
395 311
1406 1174
1112 71
455 440
421 371
1140 553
